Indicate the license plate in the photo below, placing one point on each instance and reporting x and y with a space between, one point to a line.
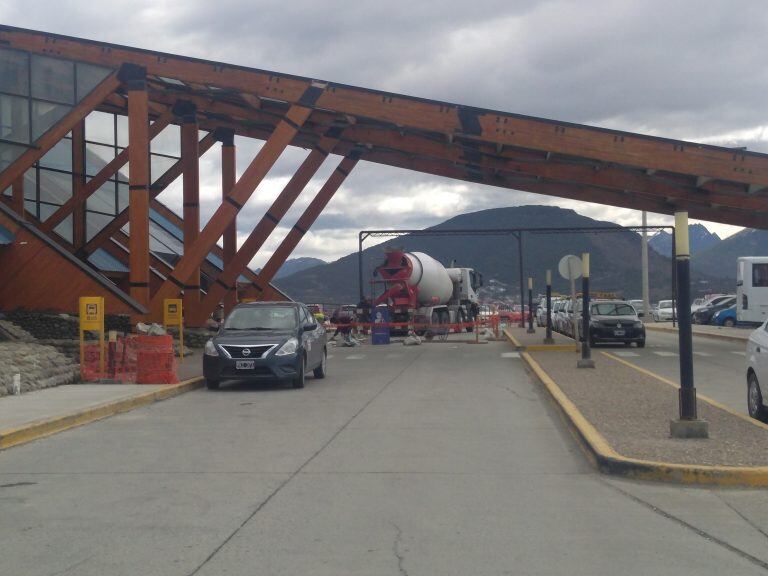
618 332
244 364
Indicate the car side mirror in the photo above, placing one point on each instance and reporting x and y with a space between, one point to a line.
309 327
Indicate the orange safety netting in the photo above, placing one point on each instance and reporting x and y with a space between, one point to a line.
135 359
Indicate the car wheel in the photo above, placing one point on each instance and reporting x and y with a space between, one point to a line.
627 344
729 322
641 344
319 372
212 384
298 382
755 398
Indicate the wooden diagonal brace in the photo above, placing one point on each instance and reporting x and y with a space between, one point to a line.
227 211
59 130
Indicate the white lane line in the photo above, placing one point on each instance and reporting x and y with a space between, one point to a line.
626 354
665 354
510 354
329 356
356 357
704 354
739 352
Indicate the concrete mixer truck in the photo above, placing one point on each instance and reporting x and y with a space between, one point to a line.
419 290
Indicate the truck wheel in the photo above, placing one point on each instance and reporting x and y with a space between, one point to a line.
729 322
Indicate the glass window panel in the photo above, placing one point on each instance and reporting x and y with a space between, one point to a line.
9 153
100 127
122 130
14 118
88 77
55 187
94 223
124 172
14 72
103 200
122 197
60 156
96 157
165 242
31 207
45 115
46 211
30 184
53 79
168 141
8 192
64 229
158 166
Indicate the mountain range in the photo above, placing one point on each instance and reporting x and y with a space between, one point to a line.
615 257
699 237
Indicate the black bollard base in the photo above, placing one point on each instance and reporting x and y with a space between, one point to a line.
689 429
549 340
585 363
531 330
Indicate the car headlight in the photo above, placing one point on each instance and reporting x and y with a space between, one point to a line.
210 349
290 347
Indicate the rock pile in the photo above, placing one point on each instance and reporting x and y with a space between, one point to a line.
40 366
53 326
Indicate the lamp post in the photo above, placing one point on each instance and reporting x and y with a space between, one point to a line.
531 329
548 338
586 354
688 426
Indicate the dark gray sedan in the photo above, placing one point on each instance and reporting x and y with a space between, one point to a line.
266 341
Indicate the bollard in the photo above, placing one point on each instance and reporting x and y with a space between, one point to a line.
548 339
586 357
531 329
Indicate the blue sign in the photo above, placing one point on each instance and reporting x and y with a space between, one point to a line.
380 330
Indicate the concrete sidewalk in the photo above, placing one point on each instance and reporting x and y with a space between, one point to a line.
44 412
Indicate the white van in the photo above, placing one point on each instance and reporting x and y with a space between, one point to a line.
752 289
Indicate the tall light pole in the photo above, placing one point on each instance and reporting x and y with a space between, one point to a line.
646 298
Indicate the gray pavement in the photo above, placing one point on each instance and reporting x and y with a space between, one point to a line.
439 459
719 366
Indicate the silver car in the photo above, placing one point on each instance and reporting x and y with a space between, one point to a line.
757 371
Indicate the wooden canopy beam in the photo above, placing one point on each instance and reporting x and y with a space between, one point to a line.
242 191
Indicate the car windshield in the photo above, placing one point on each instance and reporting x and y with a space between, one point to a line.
665 304
262 318
612 309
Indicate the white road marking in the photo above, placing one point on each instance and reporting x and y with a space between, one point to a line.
665 354
356 357
329 356
626 354
510 354
739 352
705 354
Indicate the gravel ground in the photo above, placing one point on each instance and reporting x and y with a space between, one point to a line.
632 411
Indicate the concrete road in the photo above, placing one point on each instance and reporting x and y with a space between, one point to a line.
442 459
719 366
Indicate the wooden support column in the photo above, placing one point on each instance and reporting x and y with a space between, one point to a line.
278 141
305 221
226 282
78 182
187 113
134 78
228 180
17 196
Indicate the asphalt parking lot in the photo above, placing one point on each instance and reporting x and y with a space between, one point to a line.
441 459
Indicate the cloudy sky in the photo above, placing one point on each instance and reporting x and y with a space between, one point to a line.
689 69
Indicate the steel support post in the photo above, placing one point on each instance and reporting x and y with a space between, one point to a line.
530 330
134 79
522 280
688 426
360 266
187 114
548 338
228 179
586 354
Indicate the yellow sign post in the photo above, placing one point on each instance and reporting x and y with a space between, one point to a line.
92 320
173 316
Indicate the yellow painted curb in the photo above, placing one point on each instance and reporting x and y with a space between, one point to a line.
539 347
607 460
42 428
714 336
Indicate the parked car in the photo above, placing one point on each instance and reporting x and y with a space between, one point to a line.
614 321
638 306
725 317
266 341
704 314
663 311
757 371
541 313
